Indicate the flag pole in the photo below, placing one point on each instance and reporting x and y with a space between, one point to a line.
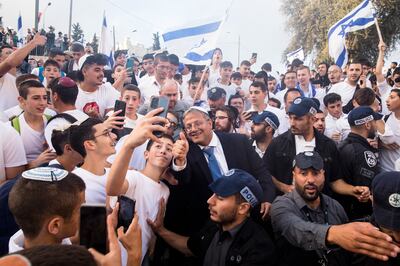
378 29
200 85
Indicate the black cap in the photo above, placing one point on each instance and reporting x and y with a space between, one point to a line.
302 106
216 93
268 117
308 159
362 115
238 181
386 203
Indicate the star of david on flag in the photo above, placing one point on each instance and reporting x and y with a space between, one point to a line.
359 18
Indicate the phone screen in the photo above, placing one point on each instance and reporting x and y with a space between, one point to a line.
129 66
156 102
93 227
126 212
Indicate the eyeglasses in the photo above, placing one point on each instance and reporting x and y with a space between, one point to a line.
106 133
195 125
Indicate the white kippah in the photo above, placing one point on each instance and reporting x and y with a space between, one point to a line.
47 174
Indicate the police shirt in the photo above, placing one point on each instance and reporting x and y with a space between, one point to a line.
359 165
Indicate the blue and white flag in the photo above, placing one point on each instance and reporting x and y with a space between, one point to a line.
359 18
194 42
297 54
20 33
106 44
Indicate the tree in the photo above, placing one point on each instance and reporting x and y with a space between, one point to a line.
77 32
309 21
156 41
95 43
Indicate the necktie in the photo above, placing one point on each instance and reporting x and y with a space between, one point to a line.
212 163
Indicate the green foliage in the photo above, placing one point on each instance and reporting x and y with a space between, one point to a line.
77 32
308 22
156 41
95 43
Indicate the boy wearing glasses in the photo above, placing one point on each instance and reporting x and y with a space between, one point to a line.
94 141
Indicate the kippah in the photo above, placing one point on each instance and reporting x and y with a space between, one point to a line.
47 174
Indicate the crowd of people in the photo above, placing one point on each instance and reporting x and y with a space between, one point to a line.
236 168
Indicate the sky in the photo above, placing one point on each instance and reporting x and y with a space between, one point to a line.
259 23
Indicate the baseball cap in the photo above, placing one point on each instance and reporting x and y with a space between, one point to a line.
361 115
302 106
238 181
308 159
386 203
216 93
46 174
268 117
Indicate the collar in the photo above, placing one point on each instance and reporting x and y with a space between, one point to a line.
213 143
223 235
360 139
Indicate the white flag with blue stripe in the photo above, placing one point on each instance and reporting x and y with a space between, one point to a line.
359 18
194 42
20 33
297 54
106 46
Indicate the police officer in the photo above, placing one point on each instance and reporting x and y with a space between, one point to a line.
359 162
232 238
216 97
386 212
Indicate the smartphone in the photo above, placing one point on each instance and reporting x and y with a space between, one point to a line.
254 55
48 94
129 66
119 105
126 212
93 227
156 102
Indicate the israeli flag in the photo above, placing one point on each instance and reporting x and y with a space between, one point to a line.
106 46
20 33
194 42
359 18
297 54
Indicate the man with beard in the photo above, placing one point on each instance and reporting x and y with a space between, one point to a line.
301 137
309 225
225 119
231 237
359 162
263 130
319 123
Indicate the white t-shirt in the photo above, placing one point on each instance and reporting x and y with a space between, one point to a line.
16 242
95 192
137 161
12 151
33 140
17 110
229 89
129 123
246 85
302 145
104 96
149 88
331 126
61 123
147 194
213 75
388 158
345 90
8 91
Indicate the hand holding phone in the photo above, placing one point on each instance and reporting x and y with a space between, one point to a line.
93 227
126 212
156 102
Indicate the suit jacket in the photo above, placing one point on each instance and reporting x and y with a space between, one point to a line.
189 199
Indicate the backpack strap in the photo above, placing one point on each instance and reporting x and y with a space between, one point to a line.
386 117
16 125
65 116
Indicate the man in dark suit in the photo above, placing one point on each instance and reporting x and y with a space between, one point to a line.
204 159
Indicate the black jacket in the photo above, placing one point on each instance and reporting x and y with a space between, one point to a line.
187 208
359 165
251 245
282 150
